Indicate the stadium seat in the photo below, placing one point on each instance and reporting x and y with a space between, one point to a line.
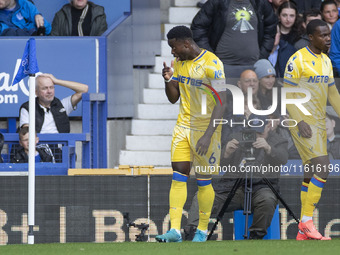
273 232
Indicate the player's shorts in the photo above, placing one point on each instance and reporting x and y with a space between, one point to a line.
310 148
183 149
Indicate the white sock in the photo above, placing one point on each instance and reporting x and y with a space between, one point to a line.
178 231
204 231
305 218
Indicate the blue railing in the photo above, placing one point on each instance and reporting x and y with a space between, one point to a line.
68 142
93 139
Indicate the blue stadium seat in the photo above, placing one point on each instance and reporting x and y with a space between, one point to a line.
273 232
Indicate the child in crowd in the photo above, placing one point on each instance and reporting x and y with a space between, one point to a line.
42 153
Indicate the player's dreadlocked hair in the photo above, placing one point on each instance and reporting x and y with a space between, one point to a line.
180 32
311 27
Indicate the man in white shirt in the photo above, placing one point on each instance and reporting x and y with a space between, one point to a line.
52 113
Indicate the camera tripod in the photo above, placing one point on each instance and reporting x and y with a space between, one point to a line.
247 198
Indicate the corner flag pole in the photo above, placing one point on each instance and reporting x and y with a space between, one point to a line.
31 159
29 67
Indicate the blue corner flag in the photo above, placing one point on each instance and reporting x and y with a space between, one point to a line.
29 64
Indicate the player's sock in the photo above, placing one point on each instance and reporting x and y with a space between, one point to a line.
303 196
177 199
313 195
306 218
205 197
178 231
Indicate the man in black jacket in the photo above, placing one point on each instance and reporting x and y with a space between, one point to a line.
239 32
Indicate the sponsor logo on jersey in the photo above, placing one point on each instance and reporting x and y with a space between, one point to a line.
318 79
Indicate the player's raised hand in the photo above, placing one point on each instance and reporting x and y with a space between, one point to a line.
304 129
167 71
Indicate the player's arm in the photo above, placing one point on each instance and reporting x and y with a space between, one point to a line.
203 143
78 88
171 86
334 98
213 71
291 79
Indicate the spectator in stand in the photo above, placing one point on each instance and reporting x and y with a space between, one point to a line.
307 17
2 141
306 5
289 22
21 18
230 29
276 3
289 30
42 152
329 11
79 18
333 142
338 4
52 113
266 74
334 53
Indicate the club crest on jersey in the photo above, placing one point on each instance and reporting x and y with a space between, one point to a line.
290 67
215 61
19 16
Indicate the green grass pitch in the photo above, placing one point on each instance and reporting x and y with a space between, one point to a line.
263 247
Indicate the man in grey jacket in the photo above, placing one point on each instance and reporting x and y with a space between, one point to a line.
79 18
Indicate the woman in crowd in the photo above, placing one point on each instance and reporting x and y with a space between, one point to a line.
289 31
265 73
329 11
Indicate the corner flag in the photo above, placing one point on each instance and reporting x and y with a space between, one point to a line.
29 64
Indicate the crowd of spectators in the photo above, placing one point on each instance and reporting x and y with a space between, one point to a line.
268 39
77 18
22 18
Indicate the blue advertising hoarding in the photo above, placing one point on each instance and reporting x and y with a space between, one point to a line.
67 58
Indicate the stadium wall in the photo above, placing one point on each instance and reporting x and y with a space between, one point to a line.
91 208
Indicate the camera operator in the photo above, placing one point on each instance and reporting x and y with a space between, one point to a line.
268 149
